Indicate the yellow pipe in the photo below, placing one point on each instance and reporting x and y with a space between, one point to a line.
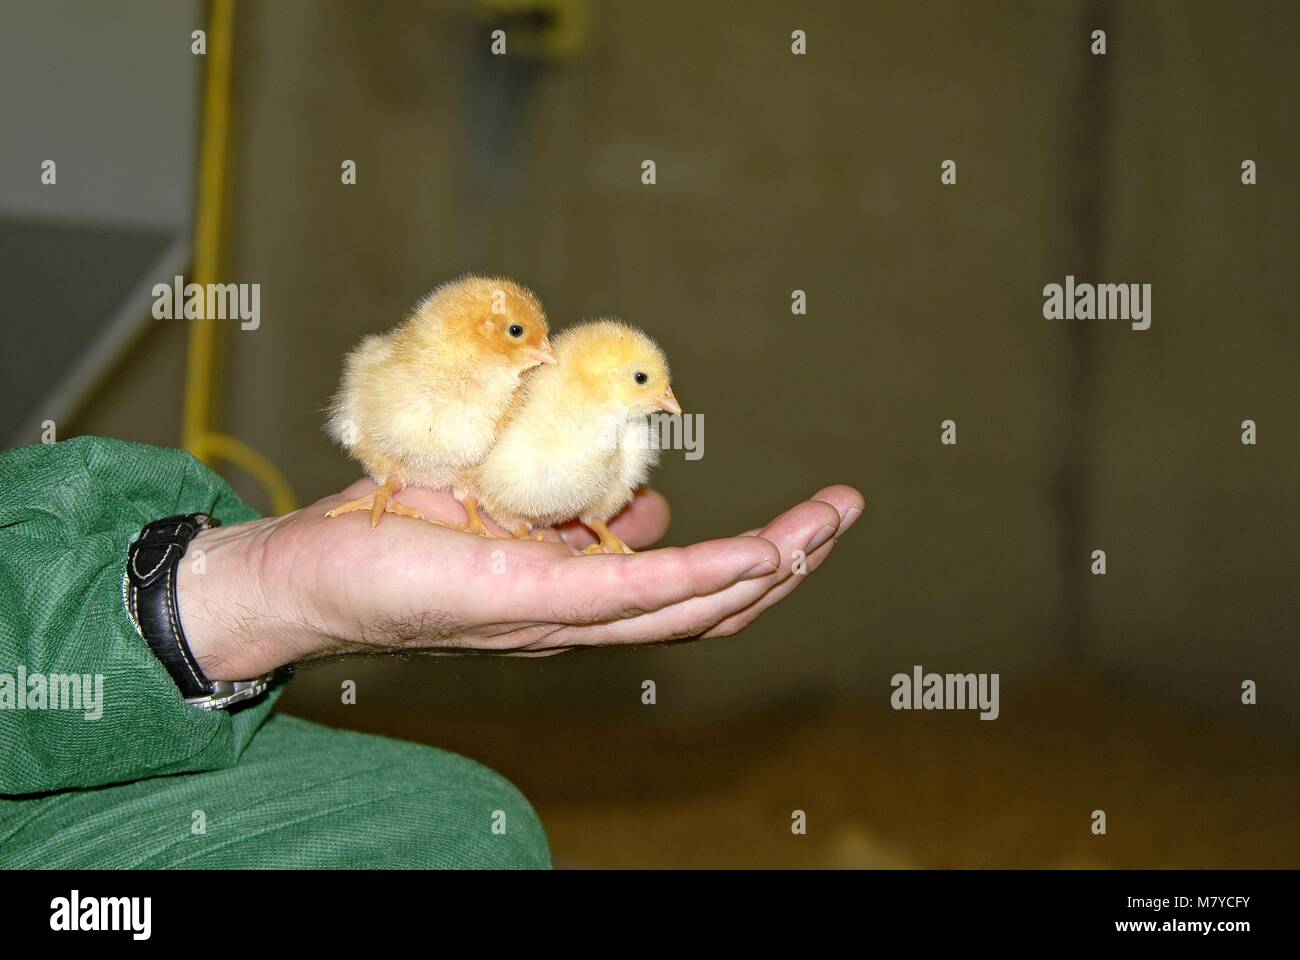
207 227
222 447
197 433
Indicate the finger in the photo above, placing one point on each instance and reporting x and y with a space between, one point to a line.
645 520
581 589
847 501
849 504
641 523
735 622
799 532
721 615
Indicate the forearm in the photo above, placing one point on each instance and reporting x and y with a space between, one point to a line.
241 610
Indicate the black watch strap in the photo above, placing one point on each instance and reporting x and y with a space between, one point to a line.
151 568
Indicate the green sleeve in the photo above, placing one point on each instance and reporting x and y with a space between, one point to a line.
68 512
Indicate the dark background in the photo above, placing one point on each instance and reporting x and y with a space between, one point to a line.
778 172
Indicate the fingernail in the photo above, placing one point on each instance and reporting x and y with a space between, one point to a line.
759 570
850 518
822 535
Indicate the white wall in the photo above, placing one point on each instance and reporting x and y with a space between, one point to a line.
109 91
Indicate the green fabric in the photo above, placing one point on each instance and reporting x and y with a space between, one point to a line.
68 512
278 793
300 796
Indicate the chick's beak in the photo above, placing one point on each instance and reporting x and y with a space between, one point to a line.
666 401
543 353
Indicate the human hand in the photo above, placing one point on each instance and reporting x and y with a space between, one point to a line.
300 587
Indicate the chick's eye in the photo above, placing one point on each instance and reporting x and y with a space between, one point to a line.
516 330
640 377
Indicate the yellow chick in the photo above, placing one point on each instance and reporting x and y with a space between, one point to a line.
574 443
420 404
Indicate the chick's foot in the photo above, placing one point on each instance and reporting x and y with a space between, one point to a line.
378 503
473 524
609 541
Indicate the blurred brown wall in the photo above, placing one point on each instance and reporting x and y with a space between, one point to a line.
821 173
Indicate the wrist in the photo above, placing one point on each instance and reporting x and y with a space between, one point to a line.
232 614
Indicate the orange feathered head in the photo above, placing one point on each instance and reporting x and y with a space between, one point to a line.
495 319
618 363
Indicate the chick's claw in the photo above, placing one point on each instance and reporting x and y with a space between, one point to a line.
473 523
609 541
479 529
378 503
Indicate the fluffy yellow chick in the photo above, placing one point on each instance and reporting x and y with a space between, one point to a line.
570 446
420 404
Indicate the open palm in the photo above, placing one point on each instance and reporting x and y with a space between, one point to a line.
338 586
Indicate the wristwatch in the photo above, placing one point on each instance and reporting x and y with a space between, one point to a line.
150 589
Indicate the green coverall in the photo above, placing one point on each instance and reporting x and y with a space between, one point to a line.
152 782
